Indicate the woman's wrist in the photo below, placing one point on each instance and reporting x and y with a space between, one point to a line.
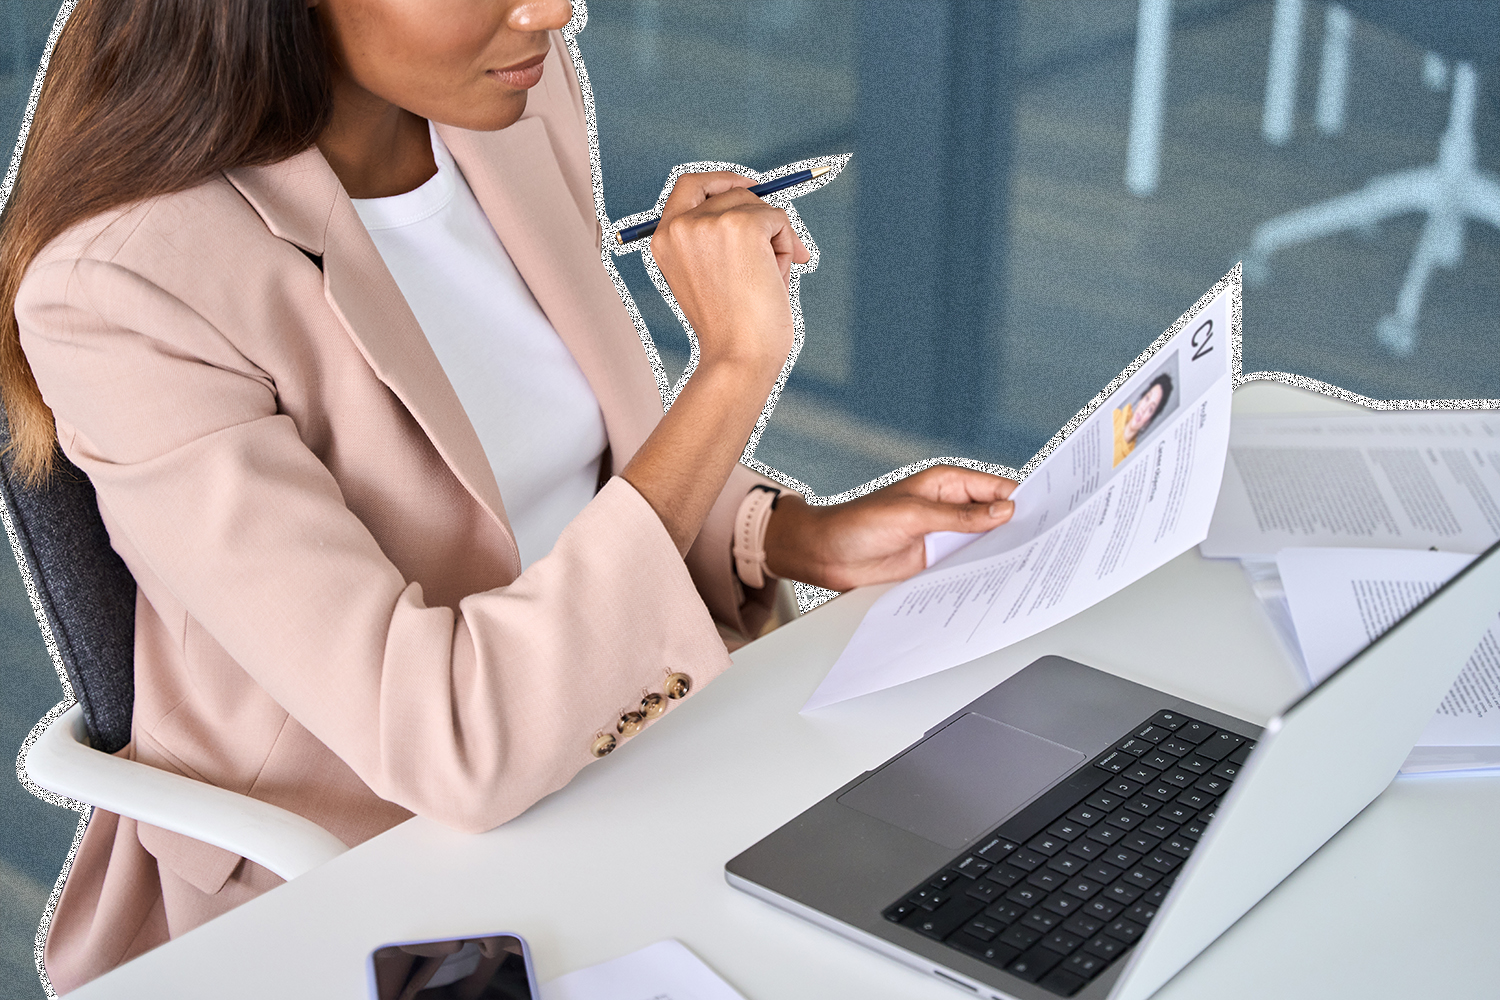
791 540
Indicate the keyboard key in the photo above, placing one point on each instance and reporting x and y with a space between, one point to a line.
900 912
1169 720
1133 745
1040 920
946 920
1086 815
1042 878
1140 877
1122 856
929 899
1141 913
1063 906
1227 770
1180 778
1158 826
1193 732
1046 844
1105 801
1162 862
1102 873
1157 895
1115 761
944 880
1124 930
1154 733
1063 942
1212 784
973 866
1196 764
1194 799
1084 925
1122 893
994 953
995 849
1221 745
1104 947
985 892
1178 846
1140 772
1062 982
1159 760
987 930
1103 909
1176 812
1003 912
1106 834
1161 791
1085 965
1123 819
1193 830
1123 787
1082 888
1006 875
1026 895
1208 814
1067 864
1175 747
1026 860
1034 963
1143 804
1140 842
1242 754
1086 849
1019 937
1067 829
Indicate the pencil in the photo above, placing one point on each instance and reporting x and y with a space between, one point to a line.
641 230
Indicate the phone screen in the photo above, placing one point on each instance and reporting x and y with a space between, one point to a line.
485 968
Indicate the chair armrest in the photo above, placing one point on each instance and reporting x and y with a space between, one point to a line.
61 761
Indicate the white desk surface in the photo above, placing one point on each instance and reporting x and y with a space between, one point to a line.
1402 903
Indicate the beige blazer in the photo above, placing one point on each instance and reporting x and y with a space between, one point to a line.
331 612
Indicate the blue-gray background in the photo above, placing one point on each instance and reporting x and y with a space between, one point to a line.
985 267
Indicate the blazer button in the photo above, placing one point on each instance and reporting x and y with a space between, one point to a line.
630 723
653 705
603 746
678 685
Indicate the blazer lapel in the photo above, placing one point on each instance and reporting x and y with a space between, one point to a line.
302 201
517 180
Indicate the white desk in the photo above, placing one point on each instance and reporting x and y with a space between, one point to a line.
1400 904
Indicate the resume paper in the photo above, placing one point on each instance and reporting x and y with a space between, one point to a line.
1131 488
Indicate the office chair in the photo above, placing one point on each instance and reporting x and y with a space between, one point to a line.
1450 191
84 599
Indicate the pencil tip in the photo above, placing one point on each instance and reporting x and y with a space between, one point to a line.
820 171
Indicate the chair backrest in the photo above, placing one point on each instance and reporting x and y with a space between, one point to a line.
80 590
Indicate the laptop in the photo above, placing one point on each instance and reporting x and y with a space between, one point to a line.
1073 834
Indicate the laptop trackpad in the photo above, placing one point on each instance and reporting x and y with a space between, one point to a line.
962 781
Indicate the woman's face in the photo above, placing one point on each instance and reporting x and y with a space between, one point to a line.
466 63
1145 408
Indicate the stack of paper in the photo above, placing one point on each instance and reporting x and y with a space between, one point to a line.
1346 523
665 970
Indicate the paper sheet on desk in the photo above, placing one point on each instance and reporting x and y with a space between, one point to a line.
1095 516
665 970
1395 480
1342 599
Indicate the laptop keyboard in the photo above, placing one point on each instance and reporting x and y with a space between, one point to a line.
1065 887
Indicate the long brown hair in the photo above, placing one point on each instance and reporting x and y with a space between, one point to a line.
143 98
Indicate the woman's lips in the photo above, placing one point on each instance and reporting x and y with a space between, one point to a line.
523 75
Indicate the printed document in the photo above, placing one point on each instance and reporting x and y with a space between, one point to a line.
1132 487
1394 480
665 970
1343 599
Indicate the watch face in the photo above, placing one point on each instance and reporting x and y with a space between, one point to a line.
487 968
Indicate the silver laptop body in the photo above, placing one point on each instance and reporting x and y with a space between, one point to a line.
843 862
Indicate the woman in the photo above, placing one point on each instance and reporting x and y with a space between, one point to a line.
1133 419
264 377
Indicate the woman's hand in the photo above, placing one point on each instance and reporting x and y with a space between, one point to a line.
727 256
878 538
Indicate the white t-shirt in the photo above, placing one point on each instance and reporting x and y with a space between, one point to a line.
536 416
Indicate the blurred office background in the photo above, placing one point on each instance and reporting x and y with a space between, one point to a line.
1039 187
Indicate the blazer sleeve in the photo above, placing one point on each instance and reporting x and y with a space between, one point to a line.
465 715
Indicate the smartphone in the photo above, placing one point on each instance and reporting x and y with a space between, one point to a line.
493 967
